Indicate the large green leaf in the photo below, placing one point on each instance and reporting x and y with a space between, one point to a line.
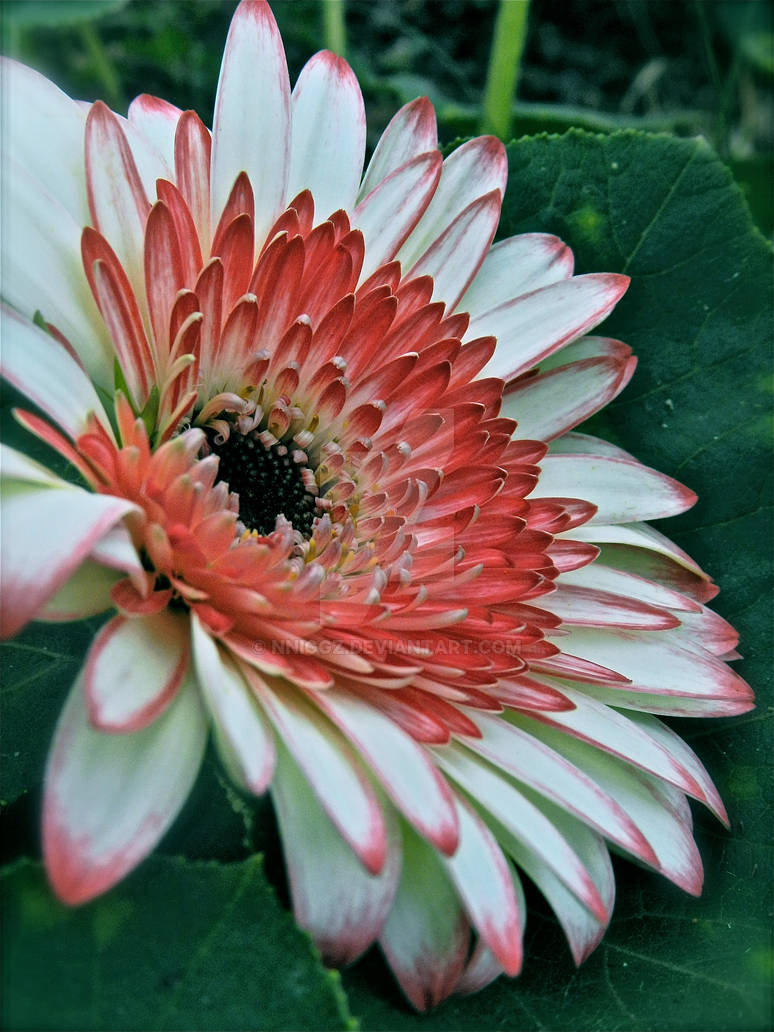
698 314
180 945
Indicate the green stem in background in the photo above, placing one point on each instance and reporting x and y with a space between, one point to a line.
334 27
103 66
510 35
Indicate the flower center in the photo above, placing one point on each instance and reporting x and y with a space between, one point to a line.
269 480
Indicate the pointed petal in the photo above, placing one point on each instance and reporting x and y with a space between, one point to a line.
517 266
242 734
622 490
328 138
134 670
109 798
530 328
412 131
335 899
425 938
157 120
251 128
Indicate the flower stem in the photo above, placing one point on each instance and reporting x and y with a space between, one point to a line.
510 34
334 27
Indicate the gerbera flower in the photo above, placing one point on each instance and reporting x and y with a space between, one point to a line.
330 487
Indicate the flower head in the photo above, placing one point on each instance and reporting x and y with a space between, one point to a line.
330 488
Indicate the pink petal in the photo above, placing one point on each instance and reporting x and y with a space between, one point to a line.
328 134
530 328
517 266
592 607
622 490
411 132
335 899
134 670
251 129
108 798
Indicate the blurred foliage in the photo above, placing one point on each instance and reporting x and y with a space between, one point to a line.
688 67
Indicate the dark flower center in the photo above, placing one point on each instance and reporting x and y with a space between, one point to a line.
268 481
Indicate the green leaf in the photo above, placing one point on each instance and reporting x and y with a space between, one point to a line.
179 945
698 315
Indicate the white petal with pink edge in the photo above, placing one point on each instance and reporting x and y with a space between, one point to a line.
517 266
426 935
134 670
607 578
251 128
390 211
328 134
637 535
454 258
46 274
411 131
43 129
331 769
84 594
575 443
38 366
623 491
480 971
109 798
335 899
242 733
156 120
471 171
405 769
548 405
483 881
47 533
532 327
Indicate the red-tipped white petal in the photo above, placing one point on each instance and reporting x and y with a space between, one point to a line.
592 607
426 935
109 798
86 593
335 899
481 970
332 770
639 536
483 881
328 134
43 129
134 669
156 120
530 328
38 366
517 266
404 767
471 171
622 490
454 258
606 578
242 734
47 533
390 211
510 806
251 128
548 405
412 131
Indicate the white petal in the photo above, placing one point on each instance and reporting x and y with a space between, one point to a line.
454 258
471 171
109 798
606 578
328 134
425 938
40 367
638 535
575 443
43 130
46 273
405 769
47 533
84 594
331 769
517 266
134 669
251 129
242 734
335 899
623 491
530 328
156 120
15 465
588 606
391 210
412 131
548 405
481 970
